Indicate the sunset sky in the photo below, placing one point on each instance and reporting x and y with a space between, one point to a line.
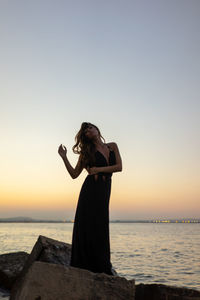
130 67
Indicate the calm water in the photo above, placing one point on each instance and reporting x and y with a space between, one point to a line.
149 253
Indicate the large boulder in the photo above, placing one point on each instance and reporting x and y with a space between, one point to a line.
52 251
11 264
47 281
46 250
49 250
164 292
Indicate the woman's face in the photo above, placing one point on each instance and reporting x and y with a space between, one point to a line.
91 132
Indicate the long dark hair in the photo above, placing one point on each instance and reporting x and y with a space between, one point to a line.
85 146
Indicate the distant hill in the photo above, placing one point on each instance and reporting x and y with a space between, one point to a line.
17 219
31 220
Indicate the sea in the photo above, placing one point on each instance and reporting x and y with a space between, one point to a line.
162 253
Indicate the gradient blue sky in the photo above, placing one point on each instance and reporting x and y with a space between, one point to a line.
130 67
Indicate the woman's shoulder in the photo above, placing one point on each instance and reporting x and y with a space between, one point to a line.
112 145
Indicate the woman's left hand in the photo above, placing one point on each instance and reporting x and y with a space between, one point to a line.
93 170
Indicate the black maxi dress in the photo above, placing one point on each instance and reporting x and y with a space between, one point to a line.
90 238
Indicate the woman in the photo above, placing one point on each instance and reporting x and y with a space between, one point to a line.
90 239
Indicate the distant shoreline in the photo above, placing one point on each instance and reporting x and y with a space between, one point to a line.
156 221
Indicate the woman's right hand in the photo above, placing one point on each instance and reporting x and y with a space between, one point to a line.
62 151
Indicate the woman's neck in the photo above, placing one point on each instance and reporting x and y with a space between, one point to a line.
98 142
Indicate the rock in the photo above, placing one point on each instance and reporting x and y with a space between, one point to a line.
11 265
52 251
49 250
46 250
164 292
47 281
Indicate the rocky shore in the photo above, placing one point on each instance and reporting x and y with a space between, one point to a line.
45 274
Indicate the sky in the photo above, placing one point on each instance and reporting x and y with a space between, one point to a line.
130 67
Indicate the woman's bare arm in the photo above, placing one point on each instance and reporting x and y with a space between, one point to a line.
74 172
109 169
